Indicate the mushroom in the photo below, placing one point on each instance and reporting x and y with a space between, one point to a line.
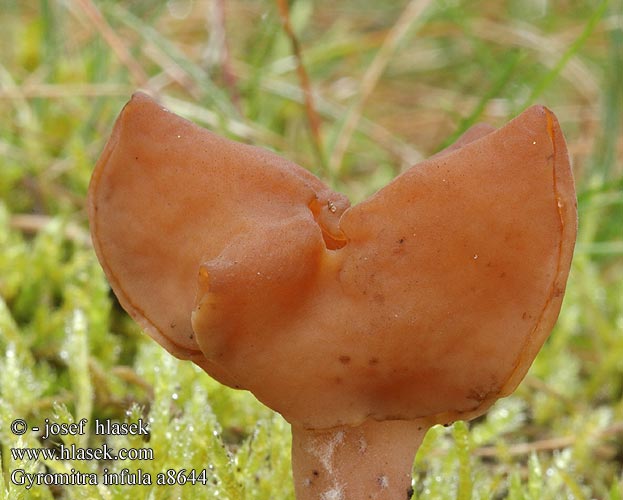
363 326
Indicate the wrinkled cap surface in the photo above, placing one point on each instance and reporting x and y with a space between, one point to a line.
428 300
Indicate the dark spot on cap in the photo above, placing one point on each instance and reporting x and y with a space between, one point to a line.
373 361
315 473
344 359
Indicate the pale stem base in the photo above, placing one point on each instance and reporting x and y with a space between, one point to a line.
371 461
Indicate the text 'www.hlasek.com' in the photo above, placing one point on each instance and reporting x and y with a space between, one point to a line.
35 465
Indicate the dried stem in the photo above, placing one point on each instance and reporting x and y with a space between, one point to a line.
65 90
310 108
113 40
372 460
34 223
549 444
412 12
218 30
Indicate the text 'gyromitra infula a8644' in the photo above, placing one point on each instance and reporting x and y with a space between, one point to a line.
364 325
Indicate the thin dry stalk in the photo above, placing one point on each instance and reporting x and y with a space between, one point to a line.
550 444
547 48
218 24
63 91
310 108
33 223
114 41
171 72
413 12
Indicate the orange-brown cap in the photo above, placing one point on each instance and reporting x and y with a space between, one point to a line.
427 301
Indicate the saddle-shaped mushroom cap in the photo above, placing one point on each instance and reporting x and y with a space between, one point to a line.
429 300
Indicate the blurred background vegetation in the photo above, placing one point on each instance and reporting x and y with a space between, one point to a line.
356 92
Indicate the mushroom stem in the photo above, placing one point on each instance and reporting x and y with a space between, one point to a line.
372 460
